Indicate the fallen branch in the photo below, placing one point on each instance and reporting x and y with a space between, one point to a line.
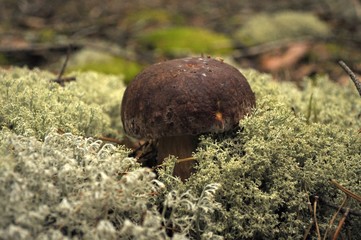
60 80
345 190
352 75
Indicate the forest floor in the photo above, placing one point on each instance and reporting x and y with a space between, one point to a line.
39 33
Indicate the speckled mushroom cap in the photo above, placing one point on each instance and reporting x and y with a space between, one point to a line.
185 96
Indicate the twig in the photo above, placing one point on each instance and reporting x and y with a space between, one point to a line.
315 218
352 75
308 230
64 64
349 194
146 154
39 48
112 140
335 215
345 190
60 80
186 159
342 210
340 225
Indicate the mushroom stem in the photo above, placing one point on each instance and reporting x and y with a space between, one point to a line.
181 147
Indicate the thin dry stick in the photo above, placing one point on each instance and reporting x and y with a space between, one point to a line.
352 76
64 64
309 205
340 225
112 140
308 230
334 206
343 219
60 80
315 218
346 191
334 216
186 159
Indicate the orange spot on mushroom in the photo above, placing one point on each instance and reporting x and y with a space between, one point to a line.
219 118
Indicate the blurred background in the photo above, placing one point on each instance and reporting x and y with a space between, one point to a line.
291 39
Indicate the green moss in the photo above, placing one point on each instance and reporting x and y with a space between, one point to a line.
277 160
178 41
115 66
251 183
32 104
101 62
47 35
3 60
265 27
150 18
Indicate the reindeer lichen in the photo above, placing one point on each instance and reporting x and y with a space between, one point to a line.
73 187
256 182
277 161
31 104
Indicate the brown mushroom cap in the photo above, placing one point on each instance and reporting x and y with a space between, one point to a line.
187 96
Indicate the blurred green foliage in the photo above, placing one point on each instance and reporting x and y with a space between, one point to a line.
266 27
3 59
102 62
47 35
181 41
146 19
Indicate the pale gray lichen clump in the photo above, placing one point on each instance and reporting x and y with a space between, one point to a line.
283 25
65 186
70 187
31 103
251 183
284 153
279 159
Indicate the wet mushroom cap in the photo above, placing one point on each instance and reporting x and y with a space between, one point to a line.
187 96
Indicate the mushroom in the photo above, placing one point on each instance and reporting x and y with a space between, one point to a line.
175 101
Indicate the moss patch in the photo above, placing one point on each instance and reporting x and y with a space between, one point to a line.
251 183
180 41
101 62
280 158
32 105
265 27
147 19
3 60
